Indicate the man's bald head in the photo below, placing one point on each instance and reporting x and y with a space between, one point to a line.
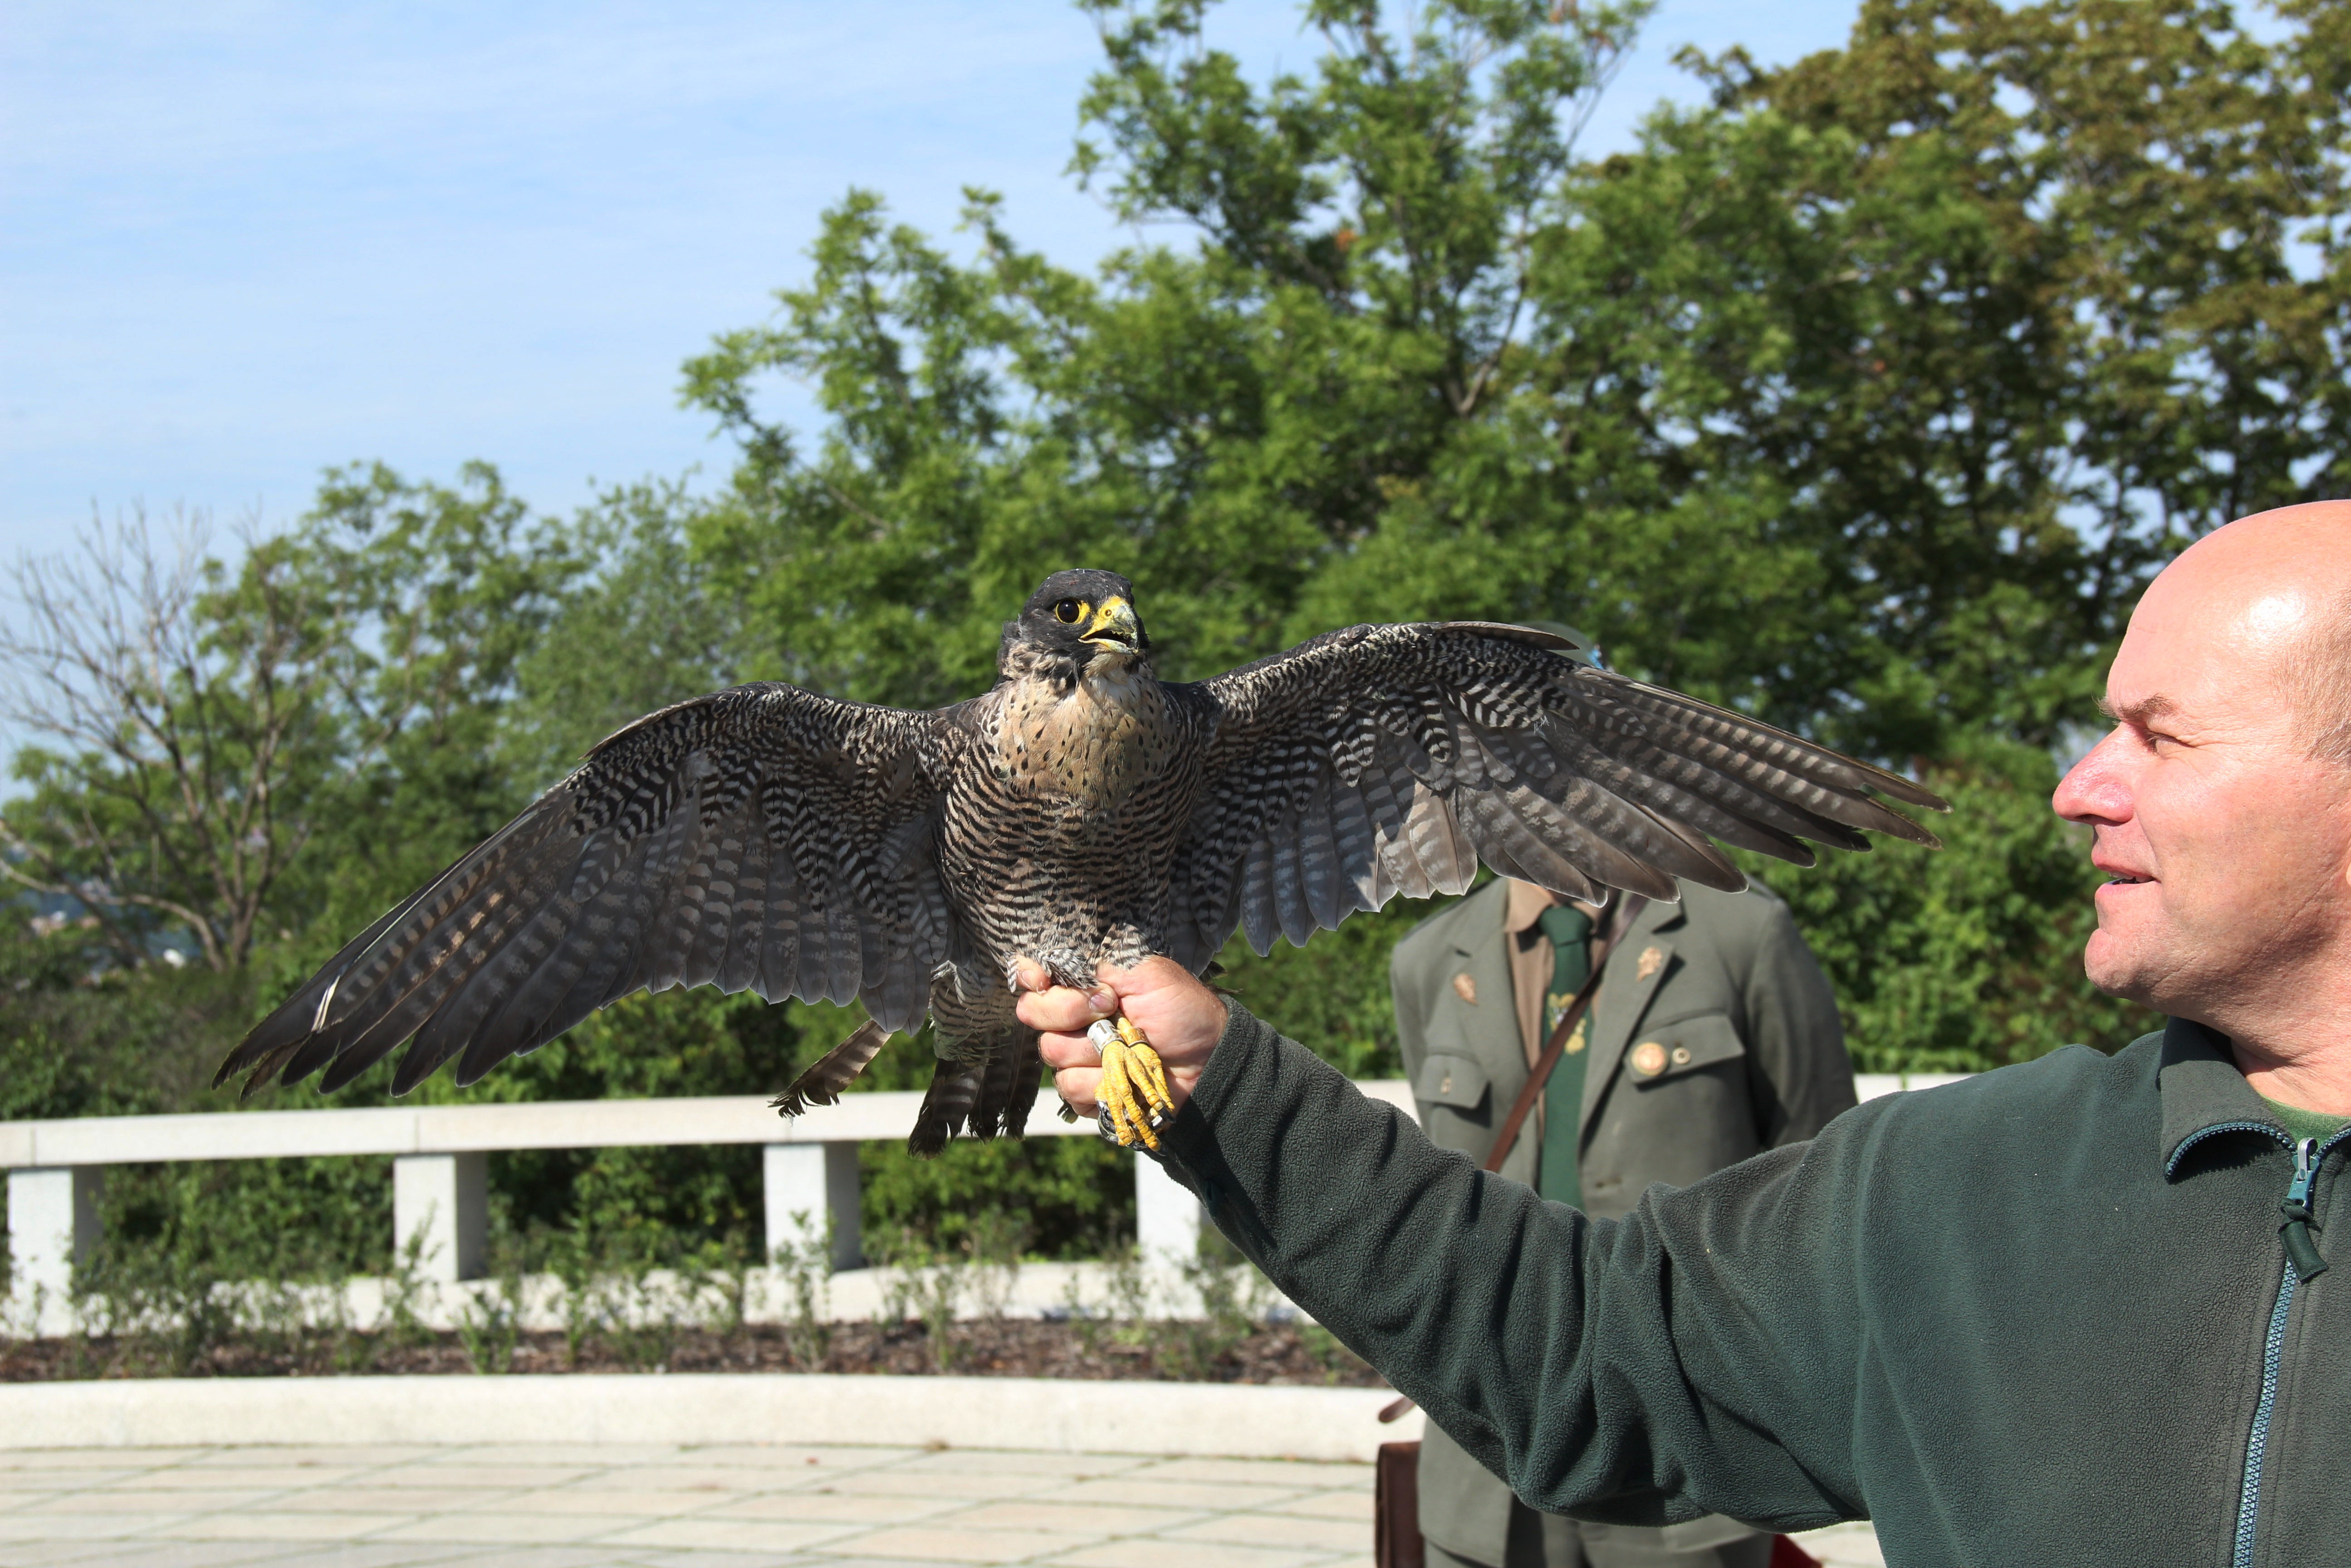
2273 590
2220 805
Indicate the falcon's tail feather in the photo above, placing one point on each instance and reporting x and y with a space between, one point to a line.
947 1106
833 1072
1007 1088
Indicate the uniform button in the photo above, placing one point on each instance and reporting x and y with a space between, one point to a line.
1445 1085
1681 1056
1648 1059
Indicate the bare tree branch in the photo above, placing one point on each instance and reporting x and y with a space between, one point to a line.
170 730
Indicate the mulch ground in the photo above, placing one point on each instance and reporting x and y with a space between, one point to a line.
1004 1347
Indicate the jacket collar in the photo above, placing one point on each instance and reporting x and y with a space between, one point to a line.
2203 1092
1523 906
1661 917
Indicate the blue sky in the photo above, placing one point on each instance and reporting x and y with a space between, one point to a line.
241 241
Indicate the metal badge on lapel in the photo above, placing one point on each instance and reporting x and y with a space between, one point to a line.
1651 958
1465 987
1648 1059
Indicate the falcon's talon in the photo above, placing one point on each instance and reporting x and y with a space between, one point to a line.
1133 1095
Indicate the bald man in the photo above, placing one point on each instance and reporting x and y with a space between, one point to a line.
2081 1310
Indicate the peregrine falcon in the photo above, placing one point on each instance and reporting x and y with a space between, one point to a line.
1082 809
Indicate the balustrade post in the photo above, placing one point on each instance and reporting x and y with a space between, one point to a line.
52 1226
1167 1216
808 1185
441 1206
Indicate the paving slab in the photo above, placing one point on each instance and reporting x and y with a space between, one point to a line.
937 1484
1843 1546
1261 1530
1261 1472
506 1557
1176 1494
509 1505
272 1526
732 1534
506 1529
47 1527
1354 1504
1075 1519
440 1474
171 1554
95 1458
555 1455
1153 1553
829 1506
304 1456
229 1477
782 1456
939 1544
377 1498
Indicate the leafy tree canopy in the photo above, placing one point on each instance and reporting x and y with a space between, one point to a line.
1864 397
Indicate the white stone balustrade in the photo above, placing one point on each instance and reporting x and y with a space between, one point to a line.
440 1198
439 1167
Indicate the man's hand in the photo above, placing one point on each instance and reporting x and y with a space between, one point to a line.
1181 1018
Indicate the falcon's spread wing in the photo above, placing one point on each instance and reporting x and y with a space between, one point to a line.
1387 759
763 838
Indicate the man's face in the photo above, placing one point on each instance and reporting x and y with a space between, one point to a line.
2228 842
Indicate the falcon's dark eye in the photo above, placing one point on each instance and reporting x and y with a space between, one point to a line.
1068 610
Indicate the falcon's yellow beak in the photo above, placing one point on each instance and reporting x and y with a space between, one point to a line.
1114 621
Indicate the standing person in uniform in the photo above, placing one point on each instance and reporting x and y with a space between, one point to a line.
1714 1037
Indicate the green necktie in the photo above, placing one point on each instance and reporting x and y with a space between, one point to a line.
1570 931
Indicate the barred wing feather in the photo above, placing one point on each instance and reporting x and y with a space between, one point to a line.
762 838
1381 761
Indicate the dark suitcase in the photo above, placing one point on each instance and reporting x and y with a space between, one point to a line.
1395 1507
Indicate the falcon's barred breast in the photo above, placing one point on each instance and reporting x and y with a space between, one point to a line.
770 839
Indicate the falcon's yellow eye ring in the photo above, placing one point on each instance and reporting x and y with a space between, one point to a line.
1068 612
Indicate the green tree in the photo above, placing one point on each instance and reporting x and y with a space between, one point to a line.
233 755
360 700
647 628
1863 398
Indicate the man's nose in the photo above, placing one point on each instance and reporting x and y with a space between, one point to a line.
2095 790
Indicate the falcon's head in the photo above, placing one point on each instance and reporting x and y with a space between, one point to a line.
1079 621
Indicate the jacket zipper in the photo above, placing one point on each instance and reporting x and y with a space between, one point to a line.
2303 1264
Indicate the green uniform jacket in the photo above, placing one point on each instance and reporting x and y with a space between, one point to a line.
1750 1056
2042 1317
1753 1054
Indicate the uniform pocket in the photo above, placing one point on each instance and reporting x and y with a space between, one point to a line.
1455 1080
1668 1050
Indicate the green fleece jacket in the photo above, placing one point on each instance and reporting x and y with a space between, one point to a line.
2043 1317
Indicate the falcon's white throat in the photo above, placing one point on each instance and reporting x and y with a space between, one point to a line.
1090 743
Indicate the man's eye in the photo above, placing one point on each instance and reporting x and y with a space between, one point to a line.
1068 610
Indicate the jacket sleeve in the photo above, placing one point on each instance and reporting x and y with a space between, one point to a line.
1697 1356
1802 1075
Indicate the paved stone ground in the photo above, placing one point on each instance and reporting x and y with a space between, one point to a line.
661 1507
